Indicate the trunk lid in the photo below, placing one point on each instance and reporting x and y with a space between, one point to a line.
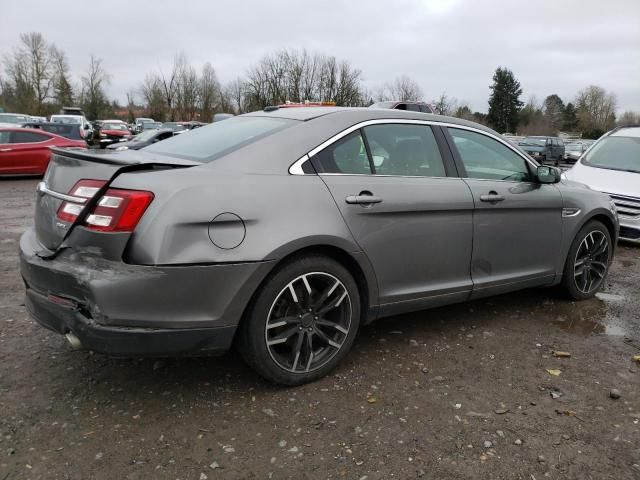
67 167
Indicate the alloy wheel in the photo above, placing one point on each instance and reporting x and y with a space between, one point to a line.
591 262
308 322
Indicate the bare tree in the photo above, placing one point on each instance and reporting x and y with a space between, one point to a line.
94 98
210 93
152 92
445 105
629 118
236 93
404 88
595 109
62 89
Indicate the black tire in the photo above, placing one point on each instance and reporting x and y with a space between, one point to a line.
274 361
573 282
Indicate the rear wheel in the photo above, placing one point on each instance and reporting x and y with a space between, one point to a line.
588 261
302 322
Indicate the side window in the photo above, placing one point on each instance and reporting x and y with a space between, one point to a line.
404 149
486 158
27 137
413 107
4 137
347 155
425 109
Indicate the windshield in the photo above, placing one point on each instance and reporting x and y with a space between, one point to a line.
66 119
615 153
114 126
213 141
538 142
12 118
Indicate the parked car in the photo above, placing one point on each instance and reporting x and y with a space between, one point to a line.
143 139
86 129
72 131
139 123
285 230
544 149
71 111
26 151
113 131
612 165
176 127
12 120
573 151
410 106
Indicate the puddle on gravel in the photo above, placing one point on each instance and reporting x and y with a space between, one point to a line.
591 316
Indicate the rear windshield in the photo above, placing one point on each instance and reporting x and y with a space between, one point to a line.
64 130
221 138
615 153
533 141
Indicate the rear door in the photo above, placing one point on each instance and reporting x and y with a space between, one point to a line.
400 197
516 222
27 152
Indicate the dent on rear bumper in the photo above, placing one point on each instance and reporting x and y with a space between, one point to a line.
111 293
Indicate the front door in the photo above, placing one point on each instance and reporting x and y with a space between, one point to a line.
517 221
412 221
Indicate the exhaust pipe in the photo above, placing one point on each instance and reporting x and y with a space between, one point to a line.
74 341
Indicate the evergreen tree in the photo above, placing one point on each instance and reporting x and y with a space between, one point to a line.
569 118
553 108
504 103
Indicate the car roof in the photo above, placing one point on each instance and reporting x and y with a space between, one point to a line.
360 114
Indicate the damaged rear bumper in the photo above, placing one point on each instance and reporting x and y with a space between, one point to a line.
130 310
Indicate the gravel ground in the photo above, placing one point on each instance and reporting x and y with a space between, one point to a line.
456 392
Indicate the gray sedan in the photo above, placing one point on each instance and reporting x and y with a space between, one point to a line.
285 230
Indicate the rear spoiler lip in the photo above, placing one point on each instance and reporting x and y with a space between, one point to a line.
111 158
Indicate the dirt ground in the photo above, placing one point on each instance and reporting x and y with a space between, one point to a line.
456 392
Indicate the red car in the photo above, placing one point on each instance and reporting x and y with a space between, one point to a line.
113 131
26 151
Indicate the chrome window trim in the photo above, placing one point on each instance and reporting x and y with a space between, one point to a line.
44 190
296 167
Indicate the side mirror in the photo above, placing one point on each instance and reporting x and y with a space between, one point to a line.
547 174
86 126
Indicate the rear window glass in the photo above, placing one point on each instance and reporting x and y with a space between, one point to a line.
221 138
68 131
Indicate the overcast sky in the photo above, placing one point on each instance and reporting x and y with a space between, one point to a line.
452 46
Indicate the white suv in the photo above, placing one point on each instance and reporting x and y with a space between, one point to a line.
612 165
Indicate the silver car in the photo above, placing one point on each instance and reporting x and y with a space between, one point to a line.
285 230
612 165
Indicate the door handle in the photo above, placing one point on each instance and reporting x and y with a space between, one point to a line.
492 197
5 149
364 198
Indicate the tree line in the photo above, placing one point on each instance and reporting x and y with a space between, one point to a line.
35 79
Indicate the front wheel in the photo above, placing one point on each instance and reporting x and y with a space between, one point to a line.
302 322
588 261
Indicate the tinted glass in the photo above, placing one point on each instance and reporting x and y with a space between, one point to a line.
404 149
4 137
532 141
615 153
347 155
68 131
484 157
221 138
27 137
413 107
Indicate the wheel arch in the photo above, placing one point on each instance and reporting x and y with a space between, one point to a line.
355 262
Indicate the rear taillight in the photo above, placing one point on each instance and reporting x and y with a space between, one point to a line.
118 210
